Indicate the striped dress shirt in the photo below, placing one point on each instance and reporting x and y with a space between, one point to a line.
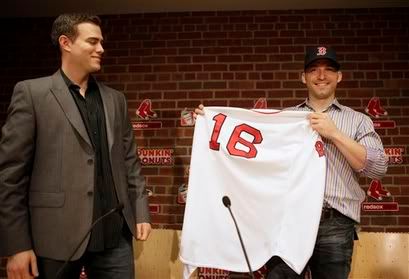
342 189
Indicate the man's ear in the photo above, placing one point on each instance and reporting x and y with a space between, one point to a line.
65 43
303 78
339 76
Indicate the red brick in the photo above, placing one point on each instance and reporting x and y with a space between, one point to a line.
384 221
175 95
348 84
280 93
173 209
254 42
228 76
241 103
290 103
401 140
190 68
190 85
254 94
238 50
403 200
292 66
159 180
267 67
164 86
161 199
160 218
229 58
291 18
215 67
204 59
240 76
293 84
114 69
140 68
202 76
226 94
267 33
215 85
268 84
240 84
177 43
241 67
200 95
263 19
138 86
149 95
164 68
178 59
128 60
240 34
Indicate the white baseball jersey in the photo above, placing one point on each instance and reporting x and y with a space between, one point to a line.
272 166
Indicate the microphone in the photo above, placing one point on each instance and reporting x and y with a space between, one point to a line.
227 203
119 207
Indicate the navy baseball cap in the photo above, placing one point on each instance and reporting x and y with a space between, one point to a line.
320 52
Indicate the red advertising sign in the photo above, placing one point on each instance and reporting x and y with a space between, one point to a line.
156 156
140 125
205 272
380 206
394 154
384 124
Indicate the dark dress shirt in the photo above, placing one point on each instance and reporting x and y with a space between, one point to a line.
105 234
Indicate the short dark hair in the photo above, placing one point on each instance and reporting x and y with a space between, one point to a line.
66 24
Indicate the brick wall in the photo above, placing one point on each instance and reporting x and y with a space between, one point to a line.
179 60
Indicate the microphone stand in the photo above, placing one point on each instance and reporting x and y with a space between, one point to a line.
119 207
227 203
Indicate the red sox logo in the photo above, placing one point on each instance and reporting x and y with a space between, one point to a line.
145 111
374 108
322 51
261 103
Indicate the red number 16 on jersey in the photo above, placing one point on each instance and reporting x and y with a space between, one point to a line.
235 138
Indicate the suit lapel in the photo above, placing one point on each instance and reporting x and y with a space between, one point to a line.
109 111
67 103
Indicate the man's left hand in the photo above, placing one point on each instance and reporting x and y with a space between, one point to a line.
142 231
323 124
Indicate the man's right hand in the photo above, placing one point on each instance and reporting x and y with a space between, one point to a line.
199 110
22 265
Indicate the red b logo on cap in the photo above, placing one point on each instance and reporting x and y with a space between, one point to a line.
322 51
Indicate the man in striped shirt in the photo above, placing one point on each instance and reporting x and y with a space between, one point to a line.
352 148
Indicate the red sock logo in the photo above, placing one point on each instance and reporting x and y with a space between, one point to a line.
376 190
145 111
261 103
374 108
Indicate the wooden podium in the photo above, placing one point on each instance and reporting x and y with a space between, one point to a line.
376 256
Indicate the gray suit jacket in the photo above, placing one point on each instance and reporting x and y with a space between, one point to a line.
47 169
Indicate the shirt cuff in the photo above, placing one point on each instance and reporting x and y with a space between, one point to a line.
374 157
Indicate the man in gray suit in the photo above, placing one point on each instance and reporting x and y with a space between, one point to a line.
67 157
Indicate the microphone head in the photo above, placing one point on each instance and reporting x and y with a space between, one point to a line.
226 201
